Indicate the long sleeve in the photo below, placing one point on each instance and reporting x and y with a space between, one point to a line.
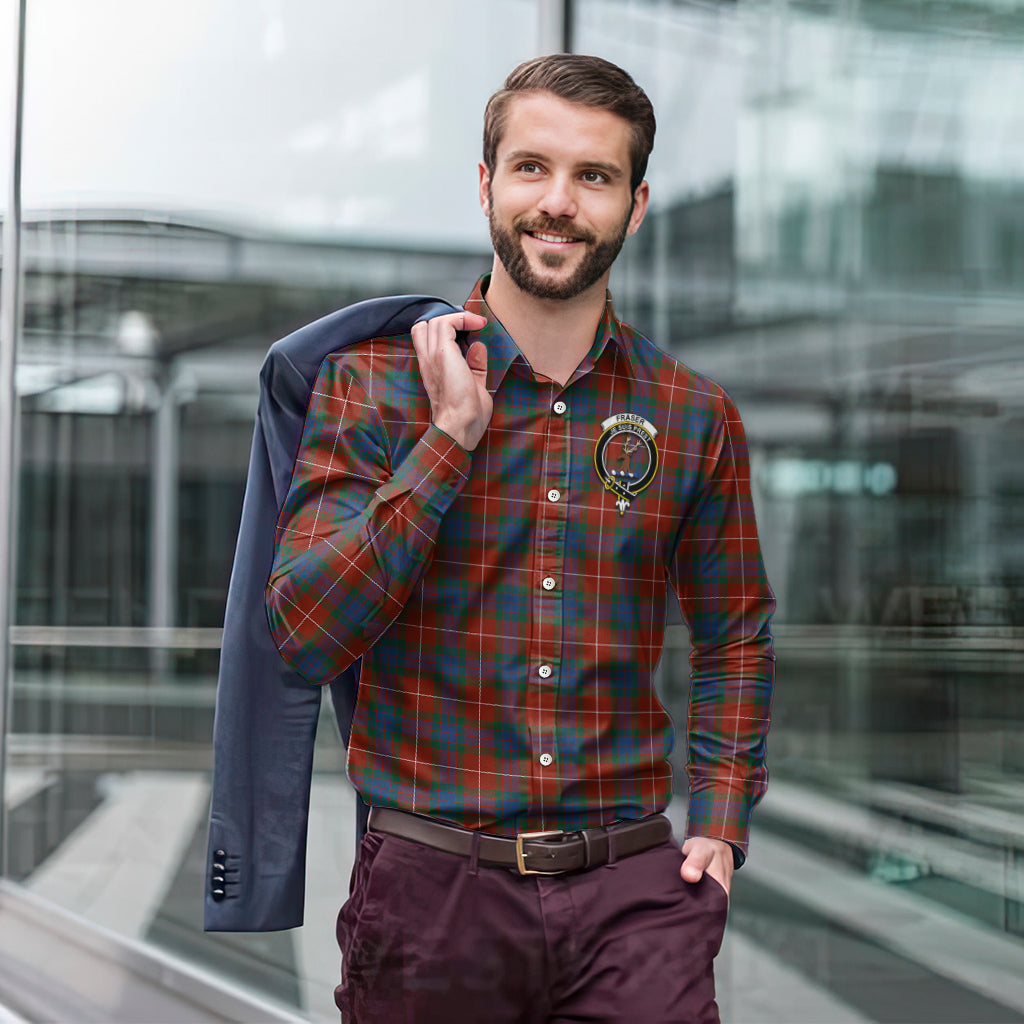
726 601
355 533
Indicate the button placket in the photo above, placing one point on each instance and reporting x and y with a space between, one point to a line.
547 632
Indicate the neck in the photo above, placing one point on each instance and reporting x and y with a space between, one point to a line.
553 334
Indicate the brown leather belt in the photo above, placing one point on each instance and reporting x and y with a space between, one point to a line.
529 853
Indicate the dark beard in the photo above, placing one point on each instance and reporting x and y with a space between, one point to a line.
508 248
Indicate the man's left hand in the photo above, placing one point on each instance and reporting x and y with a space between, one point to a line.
711 855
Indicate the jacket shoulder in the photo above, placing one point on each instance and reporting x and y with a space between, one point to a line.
361 321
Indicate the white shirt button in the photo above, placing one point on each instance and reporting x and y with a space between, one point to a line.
554 495
560 407
546 759
548 584
544 671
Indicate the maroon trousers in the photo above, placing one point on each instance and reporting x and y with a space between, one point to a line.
429 937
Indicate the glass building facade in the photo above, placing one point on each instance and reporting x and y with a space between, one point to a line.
836 235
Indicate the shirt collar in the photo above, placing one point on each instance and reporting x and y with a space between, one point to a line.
502 350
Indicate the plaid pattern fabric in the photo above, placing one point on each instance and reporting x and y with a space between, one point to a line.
508 614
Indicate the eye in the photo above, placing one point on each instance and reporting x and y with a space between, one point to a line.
528 167
594 177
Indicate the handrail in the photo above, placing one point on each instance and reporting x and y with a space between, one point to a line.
167 637
808 637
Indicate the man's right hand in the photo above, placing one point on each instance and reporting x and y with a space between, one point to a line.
460 403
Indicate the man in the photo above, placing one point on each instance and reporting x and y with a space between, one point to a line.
490 527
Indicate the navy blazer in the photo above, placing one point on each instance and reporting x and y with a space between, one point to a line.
266 714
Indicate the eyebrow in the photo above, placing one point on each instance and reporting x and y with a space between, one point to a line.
611 170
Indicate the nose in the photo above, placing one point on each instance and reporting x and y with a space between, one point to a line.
559 198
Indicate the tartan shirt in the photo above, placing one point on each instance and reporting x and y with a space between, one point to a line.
509 603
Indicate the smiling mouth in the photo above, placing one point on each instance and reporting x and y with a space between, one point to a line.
546 237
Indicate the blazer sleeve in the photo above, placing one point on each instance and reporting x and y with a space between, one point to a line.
266 713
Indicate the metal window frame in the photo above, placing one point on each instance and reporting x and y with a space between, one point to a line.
555 26
555 18
10 326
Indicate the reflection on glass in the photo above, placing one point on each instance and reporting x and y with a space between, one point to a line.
836 237
190 199
8 25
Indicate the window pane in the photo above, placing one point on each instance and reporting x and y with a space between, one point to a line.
836 237
201 178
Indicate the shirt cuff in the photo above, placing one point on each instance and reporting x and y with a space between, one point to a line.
721 814
433 473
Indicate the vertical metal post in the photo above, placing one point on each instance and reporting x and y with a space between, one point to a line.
554 24
163 548
10 319
663 288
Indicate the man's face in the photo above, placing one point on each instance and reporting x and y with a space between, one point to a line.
559 203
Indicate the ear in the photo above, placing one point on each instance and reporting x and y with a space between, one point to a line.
485 181
640 200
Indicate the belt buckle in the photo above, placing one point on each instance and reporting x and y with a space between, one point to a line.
520 856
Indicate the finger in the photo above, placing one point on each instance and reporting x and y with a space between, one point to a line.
444 345
461 321
472 321
691 873
694 865
476 356
444 328
419 336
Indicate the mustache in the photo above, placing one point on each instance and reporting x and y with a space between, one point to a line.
547 226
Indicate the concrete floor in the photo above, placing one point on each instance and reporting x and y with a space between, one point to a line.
810 940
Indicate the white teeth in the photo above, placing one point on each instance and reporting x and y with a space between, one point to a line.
551 238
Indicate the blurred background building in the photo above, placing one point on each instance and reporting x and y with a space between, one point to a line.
836 236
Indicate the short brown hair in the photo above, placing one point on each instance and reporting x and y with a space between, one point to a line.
575 77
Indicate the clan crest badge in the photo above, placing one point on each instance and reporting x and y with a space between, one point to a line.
626 457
